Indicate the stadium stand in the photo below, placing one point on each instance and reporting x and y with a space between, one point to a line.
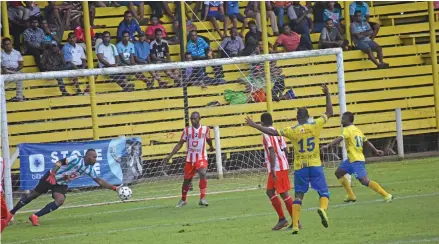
158 115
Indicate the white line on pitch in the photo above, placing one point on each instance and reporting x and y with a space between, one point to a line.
217 219
435 239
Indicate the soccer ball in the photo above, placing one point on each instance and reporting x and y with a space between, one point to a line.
125 193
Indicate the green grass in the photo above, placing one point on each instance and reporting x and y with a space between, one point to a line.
247 217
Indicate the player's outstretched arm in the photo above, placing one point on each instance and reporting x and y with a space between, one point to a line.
376 151
329 112
175 150
332 143
105 184
262 129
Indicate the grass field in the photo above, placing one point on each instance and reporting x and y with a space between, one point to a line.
247 217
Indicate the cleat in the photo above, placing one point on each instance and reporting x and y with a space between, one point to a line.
203 202
295 230
290 227
323 216
280 224
389 198
34 220
181 203
348 200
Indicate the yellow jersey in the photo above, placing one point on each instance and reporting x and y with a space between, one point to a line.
306 140
354 140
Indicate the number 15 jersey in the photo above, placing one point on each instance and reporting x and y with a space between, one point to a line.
305 139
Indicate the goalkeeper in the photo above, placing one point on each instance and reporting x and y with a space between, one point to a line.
56 180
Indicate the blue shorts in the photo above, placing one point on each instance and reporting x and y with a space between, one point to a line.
313 175
216 14
366 46
356 168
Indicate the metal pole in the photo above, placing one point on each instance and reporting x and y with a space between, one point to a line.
433 54
266 63
219 162
5 145
183 41
341 92
91 79
347 17
399 135
5 20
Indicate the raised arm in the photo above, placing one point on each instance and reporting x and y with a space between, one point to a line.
105 184
329 112
376 151
262 129
332 143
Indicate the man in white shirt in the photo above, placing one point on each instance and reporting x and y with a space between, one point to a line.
108 56
74 56
12 63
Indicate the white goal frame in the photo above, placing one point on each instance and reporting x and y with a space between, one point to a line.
338 52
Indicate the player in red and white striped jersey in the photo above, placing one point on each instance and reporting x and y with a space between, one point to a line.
5 215
196 137
276 151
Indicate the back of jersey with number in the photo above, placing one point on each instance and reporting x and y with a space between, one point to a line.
74 168
305 139
354 140
196 142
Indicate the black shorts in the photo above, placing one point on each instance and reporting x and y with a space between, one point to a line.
44 186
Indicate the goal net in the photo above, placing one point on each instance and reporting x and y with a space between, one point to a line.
138 124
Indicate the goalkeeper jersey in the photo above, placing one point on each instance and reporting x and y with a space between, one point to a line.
72 168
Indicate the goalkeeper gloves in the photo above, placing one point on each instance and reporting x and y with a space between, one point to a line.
51 179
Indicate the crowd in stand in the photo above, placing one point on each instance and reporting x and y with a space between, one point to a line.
43 30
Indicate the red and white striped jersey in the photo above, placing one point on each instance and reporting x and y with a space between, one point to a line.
278 144
196 142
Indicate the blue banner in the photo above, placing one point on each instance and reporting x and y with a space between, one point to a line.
119 160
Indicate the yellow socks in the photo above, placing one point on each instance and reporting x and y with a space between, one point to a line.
297 204
324 202
376 187
344 181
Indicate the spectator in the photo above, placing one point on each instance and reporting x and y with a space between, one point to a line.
109 57
331 37
53 60
138 14
142 52
231 46
77 14
155 24
160 54
16 26
232 12
126 52
318 11
290 40
80 34
74 56
197 75
213 11
50 35
33 41
198 47
335 14
12 63
128 24
279 10
58 15
302 24
19 10
253 11
34 10
361 36
252 38
364 9
158 7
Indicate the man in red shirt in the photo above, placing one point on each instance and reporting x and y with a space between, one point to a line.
289 39
155 24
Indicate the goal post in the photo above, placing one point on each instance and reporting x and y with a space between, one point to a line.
239 160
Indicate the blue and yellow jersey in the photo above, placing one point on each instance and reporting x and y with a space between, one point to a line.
354 140
305 139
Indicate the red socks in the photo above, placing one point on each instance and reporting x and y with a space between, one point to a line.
184 190
203 188
289 204
277 205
